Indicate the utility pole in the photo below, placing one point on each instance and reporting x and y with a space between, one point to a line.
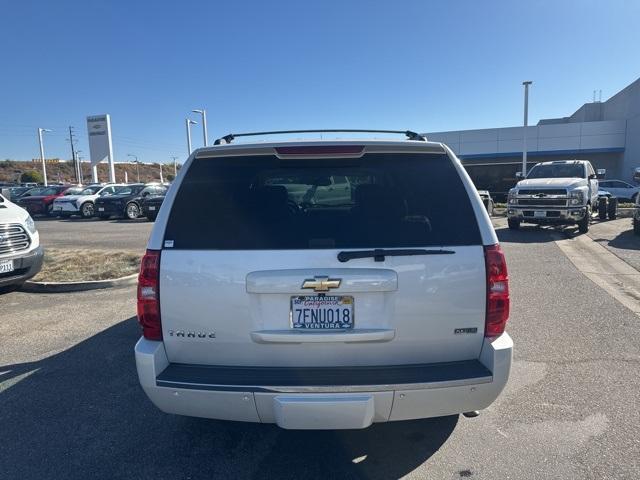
73 155
175 166
137 165
526 123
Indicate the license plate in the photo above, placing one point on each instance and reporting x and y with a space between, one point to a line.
152 208
6 266
539 213
101 209
321 312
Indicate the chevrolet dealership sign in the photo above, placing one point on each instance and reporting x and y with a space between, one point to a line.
100 144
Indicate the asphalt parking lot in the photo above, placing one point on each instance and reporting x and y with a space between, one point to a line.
94 233
618 237
71 407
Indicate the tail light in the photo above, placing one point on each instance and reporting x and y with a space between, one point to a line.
149 296
321 150
497 291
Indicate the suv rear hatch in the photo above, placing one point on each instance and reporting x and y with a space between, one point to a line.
270 259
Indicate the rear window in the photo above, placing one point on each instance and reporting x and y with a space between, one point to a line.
266 203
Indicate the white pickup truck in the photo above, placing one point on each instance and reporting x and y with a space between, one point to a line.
563 192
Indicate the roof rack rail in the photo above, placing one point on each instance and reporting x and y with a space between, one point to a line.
230 137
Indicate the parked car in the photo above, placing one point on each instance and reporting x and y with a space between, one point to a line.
20 250
487 200
621 190
82 203
124 202
17 192
39 200
151 204
323 315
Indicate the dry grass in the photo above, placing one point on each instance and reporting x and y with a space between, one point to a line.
76 265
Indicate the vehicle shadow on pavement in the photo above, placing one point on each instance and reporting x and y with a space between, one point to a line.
82 414
526 234
626 240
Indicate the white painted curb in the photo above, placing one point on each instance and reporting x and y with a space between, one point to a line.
62 287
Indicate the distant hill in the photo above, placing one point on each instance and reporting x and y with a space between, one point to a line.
10 171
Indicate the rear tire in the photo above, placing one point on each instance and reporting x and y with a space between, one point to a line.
612 209
602 208
514 224
87 210
583 225
132 211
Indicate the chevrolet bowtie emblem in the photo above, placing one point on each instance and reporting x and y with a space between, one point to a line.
321 284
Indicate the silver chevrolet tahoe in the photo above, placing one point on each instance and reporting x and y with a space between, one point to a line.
563 192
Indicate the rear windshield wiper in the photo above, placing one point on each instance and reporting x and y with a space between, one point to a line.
379 253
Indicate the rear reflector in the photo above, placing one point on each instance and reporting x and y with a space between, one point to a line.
149 296
497 291
321 150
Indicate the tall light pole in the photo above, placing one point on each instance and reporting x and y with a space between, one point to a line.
189 122
44 164
137 165
175 166
203 112
526 123
79 167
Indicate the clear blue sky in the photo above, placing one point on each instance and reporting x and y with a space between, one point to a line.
427 66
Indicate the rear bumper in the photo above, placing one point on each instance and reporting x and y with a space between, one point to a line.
150 209
26 265
553 216
109 209
324 398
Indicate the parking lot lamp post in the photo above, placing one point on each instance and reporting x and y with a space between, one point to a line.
80 158
44 164
203 112
175 166
189 122
526 123
137 165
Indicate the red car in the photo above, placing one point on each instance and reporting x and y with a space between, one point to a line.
39 200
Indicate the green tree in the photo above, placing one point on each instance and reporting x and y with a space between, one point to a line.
171 177
31 176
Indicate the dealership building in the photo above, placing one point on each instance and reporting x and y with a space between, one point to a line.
606 133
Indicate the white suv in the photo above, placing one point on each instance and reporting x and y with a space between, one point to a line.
83 203
20 250
260 303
